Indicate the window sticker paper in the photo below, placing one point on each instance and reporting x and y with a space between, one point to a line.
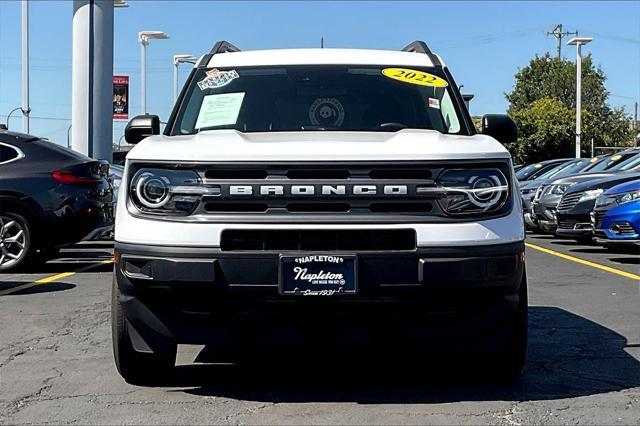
219 110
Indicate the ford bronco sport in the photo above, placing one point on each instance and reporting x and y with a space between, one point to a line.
299 188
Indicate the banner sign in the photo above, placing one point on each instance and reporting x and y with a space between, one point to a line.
120 97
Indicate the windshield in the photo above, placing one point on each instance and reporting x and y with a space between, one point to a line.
527 170
631 163
609 162
318 98
570 169
551 172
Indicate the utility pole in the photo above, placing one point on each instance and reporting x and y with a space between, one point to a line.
578 42
559 35
25 66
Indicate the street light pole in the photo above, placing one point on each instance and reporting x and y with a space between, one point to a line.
143 38
176 61
25 66
578 42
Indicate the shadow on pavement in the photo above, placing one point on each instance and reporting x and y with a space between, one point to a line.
569 356
38 288
56 266
626 260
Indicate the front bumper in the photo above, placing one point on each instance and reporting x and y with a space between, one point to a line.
575 223
193 295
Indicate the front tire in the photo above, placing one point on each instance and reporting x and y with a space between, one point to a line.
506 365
135 367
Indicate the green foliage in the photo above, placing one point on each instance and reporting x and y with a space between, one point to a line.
547 126
543 103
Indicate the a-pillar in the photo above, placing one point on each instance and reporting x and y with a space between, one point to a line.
92 84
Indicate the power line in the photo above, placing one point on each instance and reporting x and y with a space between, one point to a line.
559 35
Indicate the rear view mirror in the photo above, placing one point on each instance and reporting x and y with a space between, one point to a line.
141 127
500 127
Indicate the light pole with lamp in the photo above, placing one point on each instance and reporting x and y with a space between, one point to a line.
177 59
14 110
578 42
143 38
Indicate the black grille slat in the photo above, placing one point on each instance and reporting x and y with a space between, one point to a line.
569 201
318 240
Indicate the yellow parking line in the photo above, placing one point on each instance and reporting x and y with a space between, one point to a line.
52 278
585 262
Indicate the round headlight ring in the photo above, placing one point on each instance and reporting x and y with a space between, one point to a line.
481 198
152 191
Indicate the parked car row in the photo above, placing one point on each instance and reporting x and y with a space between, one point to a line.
50 197
595 199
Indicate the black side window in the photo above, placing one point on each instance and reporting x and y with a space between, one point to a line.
7 153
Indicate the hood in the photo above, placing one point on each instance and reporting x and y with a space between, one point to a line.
231 145
582 177
605 183
633 185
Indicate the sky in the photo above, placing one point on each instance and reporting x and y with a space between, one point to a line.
483 44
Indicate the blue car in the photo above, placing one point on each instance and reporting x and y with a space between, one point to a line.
616 216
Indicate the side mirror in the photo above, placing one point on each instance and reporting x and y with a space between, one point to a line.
500 127
140 127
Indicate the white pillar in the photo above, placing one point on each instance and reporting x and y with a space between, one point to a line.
25 66
143 75
92 73
578 97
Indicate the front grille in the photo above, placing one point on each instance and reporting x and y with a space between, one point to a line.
569 201
278 203
599 216
318 240
567 224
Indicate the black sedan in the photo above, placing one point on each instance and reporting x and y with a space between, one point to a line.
50 197
574 210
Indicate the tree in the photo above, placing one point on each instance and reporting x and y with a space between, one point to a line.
548 79
546 127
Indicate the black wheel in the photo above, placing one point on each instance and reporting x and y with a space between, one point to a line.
15 241
507 364
135 367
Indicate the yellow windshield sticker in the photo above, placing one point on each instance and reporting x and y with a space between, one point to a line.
616 157
537 166
414 77
594 159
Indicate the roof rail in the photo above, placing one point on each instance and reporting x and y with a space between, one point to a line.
223 47
420 46
219 47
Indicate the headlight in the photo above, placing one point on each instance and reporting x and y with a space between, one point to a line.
558 189
539 192
590 195
472 191
164 191
604 201
627 197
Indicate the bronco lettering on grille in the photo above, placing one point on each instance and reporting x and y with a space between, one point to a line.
306 190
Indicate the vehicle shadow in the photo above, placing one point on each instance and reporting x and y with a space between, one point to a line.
626 260
569 356
56 266
39 288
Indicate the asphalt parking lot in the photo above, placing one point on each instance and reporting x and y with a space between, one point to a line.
583 365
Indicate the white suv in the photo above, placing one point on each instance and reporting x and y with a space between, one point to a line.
295 188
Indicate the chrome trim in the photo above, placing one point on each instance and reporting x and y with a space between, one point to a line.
16 149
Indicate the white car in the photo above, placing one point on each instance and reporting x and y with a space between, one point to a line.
296 188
